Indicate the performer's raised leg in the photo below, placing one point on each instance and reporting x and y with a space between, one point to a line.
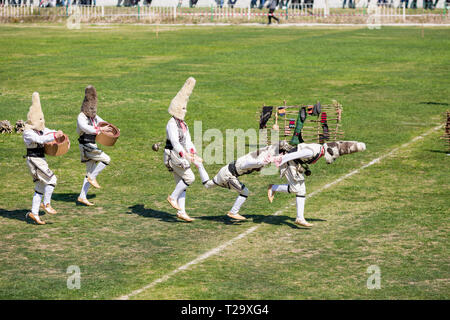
276 188
203 174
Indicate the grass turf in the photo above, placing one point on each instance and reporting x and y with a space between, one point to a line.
392 82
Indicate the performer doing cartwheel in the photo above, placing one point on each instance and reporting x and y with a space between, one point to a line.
88 129
180 152
35 136
228 176
293 164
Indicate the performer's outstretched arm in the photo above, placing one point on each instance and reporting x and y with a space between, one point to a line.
84 125
305 153
29 136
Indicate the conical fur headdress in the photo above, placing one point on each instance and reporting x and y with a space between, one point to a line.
333 150
178 105
35 117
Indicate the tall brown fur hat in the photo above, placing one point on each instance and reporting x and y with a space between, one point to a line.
89 106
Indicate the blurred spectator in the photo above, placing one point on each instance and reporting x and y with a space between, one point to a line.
282 4
351 4
308 4
272 7
428 4
253 3
413 4
231 3
261 4
148 2
406 3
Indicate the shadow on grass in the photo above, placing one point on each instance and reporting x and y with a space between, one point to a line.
436 103
437 151
221 218
259 218
69 197
17 215
150 213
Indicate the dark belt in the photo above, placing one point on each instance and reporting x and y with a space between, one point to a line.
232 169
87 138
168 145
38 152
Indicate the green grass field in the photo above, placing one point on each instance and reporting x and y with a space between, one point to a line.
392 82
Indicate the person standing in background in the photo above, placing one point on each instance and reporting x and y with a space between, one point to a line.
272 7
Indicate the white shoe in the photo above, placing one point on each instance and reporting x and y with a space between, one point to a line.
35 218
85 201
184 216
303 223
48 208
236 216
270 193
173 203
93 182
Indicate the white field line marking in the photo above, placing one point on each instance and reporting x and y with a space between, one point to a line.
250 230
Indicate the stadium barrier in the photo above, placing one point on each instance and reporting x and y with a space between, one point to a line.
150 14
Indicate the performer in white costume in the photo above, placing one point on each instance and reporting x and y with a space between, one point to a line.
180 152
293 164
35 136
228 176
87 128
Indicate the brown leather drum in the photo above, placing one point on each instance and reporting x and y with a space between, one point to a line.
59 148
110 138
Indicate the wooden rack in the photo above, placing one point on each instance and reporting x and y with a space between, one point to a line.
446 136
283 119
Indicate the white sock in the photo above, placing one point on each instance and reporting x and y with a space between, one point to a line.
237 204
180 187
48 193
84 189
100 166
203 174
90 166
280 188
182 202
300 207
37 198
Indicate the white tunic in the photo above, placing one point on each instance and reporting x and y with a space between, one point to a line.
32 139
172 134
84 126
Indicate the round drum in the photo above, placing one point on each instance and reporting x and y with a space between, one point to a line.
109 138
60 147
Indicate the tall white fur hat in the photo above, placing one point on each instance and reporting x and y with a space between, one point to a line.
333 150
178 105
35 117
